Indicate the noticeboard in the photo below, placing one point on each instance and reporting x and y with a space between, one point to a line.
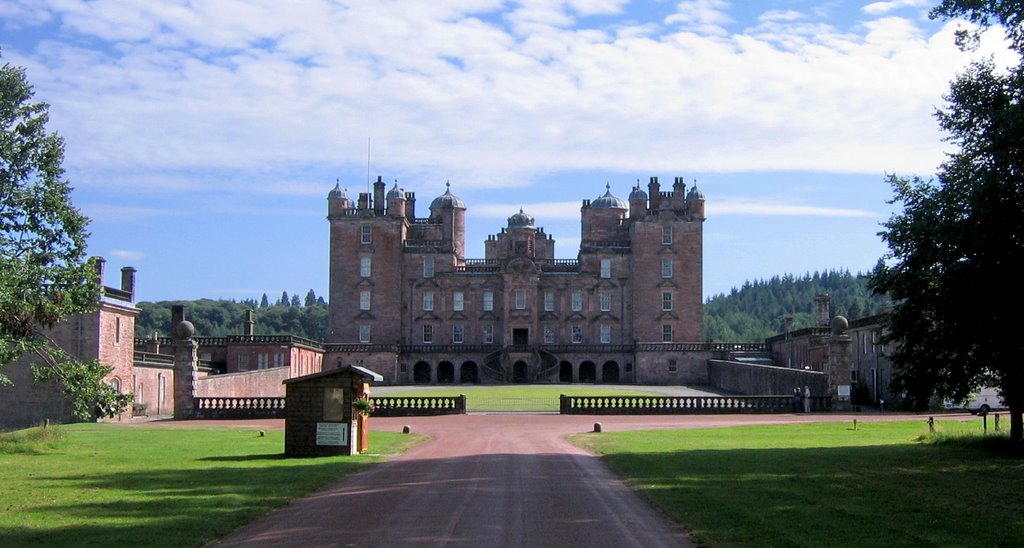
332 433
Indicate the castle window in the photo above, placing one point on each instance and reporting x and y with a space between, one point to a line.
117 331
666 300
243 362
365 234
261 361
666 333
666 235
606 301
428 267
549 334
278 360
458 334
606 334
606 268
488 333
577 301
364 267
428 300
364 299
428 334
672 367
520 299
364 333
577 333
488 301
666 268
458 301
549 301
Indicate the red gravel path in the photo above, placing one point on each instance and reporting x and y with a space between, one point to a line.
488 480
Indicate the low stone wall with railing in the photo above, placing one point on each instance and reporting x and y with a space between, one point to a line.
274 408
239 408
683 405
409 406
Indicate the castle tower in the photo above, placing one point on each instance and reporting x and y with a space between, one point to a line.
396 202
449 210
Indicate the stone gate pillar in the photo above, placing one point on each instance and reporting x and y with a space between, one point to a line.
186 368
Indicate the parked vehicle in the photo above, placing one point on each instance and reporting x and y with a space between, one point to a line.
985 400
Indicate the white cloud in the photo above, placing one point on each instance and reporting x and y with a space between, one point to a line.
879 8
714 208
473 91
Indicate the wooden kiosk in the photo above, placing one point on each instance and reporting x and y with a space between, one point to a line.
320 417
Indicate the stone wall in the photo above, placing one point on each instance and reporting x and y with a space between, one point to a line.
262 383
672 367
763 380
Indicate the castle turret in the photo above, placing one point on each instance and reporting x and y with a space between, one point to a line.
396 202
637 202
337 202
450 211
695 202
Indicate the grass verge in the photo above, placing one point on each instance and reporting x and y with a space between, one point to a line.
149 486
826 484
514 398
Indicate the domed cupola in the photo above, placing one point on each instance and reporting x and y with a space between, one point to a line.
520 220
695 193
608 201
637 194
395 193
337 193
447 200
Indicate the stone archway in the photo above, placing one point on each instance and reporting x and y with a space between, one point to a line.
421 373
469 373
610 372
565 371
520 372
588 372
445 372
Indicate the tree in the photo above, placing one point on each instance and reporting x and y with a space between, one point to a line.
264 301
310 298
285 301
956 250
45 274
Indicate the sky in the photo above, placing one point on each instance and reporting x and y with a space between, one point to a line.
202 137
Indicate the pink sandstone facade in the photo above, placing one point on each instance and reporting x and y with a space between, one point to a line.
407 303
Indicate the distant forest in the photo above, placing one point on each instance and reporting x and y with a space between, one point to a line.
757 310
750 313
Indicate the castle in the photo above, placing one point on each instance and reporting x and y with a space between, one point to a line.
406 302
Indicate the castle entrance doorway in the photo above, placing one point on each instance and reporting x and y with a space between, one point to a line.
565 372
469 373
519 372
588 372
421 373
610 372
445 372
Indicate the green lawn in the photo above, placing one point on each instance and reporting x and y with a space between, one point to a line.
515 398
826 484
114 485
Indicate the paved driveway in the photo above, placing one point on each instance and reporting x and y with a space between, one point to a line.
488 480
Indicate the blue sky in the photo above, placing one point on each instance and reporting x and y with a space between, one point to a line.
203 137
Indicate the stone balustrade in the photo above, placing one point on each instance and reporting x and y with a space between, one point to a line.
239 408
412 406
683 405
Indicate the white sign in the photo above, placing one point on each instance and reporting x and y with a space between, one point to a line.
332 433
844 391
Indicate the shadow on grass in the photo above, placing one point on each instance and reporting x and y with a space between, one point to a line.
892 495
172 507
243 458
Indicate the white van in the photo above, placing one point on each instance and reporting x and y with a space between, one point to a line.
985 400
